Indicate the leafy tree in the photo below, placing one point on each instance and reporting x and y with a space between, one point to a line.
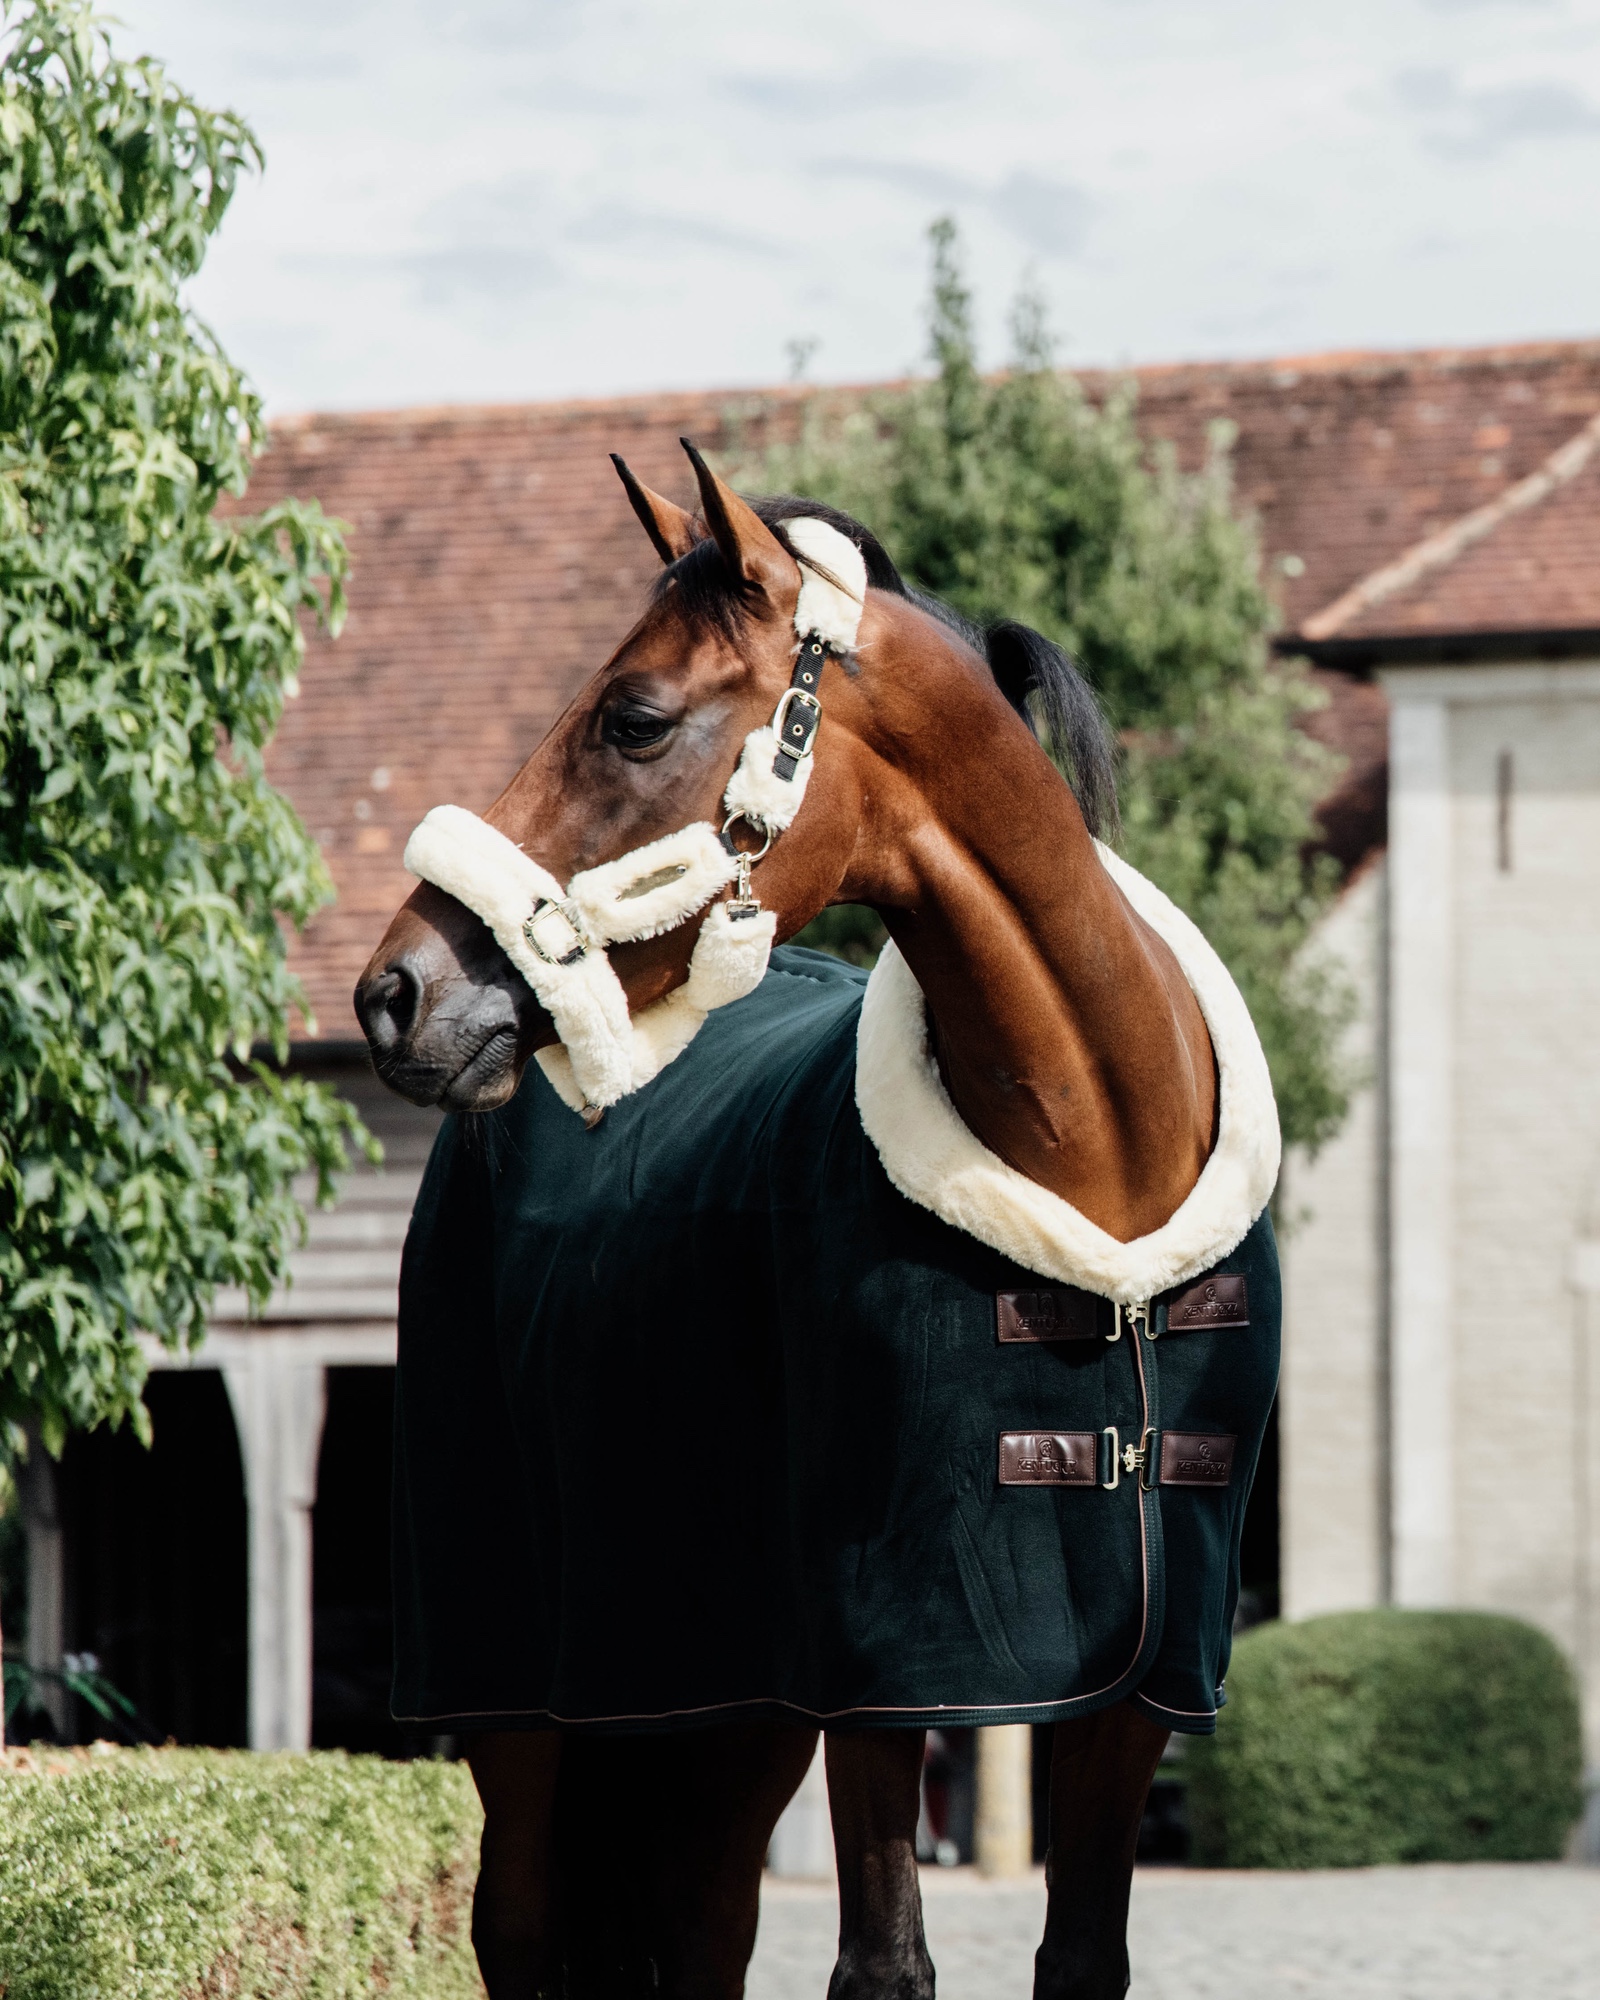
146 647
1014 496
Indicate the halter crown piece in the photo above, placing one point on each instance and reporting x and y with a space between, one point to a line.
556 937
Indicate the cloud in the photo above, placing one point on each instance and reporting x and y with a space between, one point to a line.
1434 243
490 274
1051 217
296 20
504 217
300 64
929 184
1477 124
571 96
904 83
537 28
494 247
614 224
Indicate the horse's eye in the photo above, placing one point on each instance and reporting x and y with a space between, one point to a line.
627 728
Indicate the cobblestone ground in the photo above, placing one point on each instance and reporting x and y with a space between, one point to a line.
1428 1933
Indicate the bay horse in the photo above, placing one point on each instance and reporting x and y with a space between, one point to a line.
1071 1044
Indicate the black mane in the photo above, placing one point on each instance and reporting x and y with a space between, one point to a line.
1033 673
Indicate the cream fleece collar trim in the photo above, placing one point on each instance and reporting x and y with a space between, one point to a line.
935 1161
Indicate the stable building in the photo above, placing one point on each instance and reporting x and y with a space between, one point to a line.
1441 1391
1423 521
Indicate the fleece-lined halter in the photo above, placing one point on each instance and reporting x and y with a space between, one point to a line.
557 938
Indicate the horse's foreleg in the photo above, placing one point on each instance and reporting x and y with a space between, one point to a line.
874 1790
515 1773
1100 1775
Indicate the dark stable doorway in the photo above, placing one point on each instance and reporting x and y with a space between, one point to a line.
352 1639
351 1645
154 1547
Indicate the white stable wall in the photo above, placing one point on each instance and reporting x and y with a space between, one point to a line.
1521 1180
1441 1394
1494 953
1333 1224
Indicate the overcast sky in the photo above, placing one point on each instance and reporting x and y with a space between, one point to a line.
518 199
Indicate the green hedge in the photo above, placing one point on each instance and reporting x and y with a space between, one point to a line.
144 1874
1377 1736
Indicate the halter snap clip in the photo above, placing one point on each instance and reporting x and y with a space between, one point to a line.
744 902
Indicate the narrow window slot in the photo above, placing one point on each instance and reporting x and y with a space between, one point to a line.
1504 778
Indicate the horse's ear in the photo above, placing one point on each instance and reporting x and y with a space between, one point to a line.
669 526
749 547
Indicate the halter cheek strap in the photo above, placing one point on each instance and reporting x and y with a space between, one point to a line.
556 937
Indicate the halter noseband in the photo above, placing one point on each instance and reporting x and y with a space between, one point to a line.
556 937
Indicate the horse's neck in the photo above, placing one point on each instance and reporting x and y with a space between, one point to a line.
1068 1038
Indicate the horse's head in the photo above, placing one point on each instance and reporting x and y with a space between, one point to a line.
900 776
647 747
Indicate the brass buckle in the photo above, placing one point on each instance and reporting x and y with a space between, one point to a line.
553 954
1138 1459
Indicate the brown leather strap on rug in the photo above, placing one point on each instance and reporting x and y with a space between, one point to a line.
1220 1300
1090 1458
1049 1458
1057 1312
1195 1458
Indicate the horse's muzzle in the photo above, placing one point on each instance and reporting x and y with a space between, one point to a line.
446 1016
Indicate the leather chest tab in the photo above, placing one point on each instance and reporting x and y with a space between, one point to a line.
1220 1300
1195 1458
1048 1458
1059 1313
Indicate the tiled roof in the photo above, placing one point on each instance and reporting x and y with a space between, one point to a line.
496 565
1349 458
1527 561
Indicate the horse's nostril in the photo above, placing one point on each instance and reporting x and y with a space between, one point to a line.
388 1006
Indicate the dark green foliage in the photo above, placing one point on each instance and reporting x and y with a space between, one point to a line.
849 931
155 1874
28 1688
1377 1736
146 648
1015 497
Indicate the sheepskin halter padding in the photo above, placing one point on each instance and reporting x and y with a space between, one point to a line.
555 937
937 1162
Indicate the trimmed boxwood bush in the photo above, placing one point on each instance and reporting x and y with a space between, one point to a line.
216 1875
1375 1736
